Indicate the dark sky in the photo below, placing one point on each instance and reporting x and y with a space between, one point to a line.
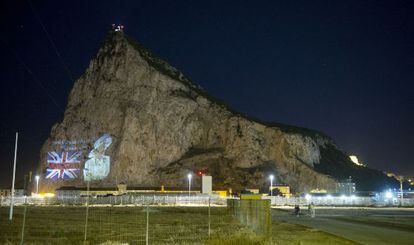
342 67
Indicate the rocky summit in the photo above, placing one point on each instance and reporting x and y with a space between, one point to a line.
132 118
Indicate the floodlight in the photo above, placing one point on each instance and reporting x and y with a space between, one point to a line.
388 194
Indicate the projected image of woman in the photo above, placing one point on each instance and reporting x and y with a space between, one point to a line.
98 165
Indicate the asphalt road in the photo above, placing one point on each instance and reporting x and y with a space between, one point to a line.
365 226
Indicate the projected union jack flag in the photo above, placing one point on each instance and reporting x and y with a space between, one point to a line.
63 165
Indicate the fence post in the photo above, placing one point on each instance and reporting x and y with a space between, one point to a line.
146 233
209 219
24 220
87 212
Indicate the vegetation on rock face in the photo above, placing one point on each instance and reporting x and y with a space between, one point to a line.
298 130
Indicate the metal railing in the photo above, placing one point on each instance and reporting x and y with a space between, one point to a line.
341 201
136 200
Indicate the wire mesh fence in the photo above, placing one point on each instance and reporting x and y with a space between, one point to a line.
116 224
161 200
199 200
342 200
253 213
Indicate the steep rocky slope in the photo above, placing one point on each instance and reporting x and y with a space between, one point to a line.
163 126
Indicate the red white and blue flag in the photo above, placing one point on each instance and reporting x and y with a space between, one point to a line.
63 165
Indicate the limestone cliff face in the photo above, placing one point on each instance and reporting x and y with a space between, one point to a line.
163 127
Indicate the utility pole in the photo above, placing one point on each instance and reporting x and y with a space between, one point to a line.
350 185
14 179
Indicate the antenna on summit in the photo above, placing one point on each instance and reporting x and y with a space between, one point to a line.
117 28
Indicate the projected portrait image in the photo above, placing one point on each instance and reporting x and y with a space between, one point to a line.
98 165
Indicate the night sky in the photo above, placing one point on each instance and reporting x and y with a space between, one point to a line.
342 67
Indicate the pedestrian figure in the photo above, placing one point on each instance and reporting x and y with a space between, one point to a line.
311 208
297 210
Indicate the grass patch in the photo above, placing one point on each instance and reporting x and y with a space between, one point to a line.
167 225
65 225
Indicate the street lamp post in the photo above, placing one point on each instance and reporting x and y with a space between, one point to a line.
271 184
37 184
189 176
401 178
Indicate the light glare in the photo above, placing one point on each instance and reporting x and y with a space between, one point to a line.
388 194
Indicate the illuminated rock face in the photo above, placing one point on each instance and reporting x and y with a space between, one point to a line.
163 127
